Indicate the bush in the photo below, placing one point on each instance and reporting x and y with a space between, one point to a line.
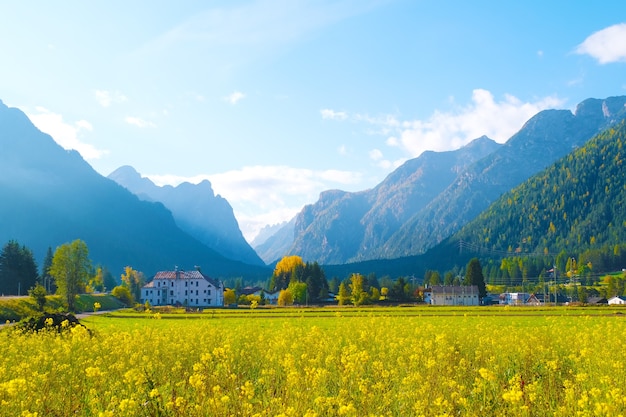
123 294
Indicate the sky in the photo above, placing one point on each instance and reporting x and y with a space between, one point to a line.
275 101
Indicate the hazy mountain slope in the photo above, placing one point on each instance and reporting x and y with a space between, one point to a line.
575 204
51 196
343 227
274 241
197 210
546 137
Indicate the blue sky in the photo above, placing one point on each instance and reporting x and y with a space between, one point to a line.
275 101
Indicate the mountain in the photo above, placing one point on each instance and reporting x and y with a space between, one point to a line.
196 210
276 245
266 232
545 138
574 205
52 196
346 227
431 197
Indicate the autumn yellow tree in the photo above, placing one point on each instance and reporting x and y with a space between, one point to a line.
286 270
285 298
229 297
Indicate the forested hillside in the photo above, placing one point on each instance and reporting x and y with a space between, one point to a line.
573 208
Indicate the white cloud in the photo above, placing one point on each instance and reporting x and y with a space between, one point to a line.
452 129
106 98
141 123
262 195
235 97
333 115
66 134
607 45
447 130
376 155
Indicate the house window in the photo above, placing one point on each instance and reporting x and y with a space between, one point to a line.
209 291
185 283
196 292
172 293
172 283
185 292
158 283
197 283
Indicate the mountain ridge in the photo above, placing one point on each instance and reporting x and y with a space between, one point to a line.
197 210
56 197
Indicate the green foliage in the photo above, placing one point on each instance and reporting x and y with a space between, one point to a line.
358 296
133 280
123 294
38 294
474 276
15 309
574 205
70 269
342 294
299 292
18 270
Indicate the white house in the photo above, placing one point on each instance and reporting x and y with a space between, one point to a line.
618 299
454 295
187 288
514 298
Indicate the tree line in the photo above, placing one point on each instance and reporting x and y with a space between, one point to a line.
305 283
66 272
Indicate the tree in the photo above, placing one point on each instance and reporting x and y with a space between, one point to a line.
342 295
298 292
374 294
285 271
384 292
38 294
474 276
358 295
18 270
70 268
285 298
229 297
107 279
123 294
96 282
133 280
46 279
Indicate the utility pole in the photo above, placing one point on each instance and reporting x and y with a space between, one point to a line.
555 283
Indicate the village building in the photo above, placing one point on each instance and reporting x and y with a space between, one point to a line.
452 295
185 288
518 299
617 300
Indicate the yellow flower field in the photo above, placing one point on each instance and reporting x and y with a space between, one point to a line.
372 365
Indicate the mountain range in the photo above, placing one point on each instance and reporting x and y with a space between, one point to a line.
51 196
196 210
433 196
412 220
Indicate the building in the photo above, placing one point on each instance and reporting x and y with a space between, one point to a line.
185 288
617 300
453 295
513 298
